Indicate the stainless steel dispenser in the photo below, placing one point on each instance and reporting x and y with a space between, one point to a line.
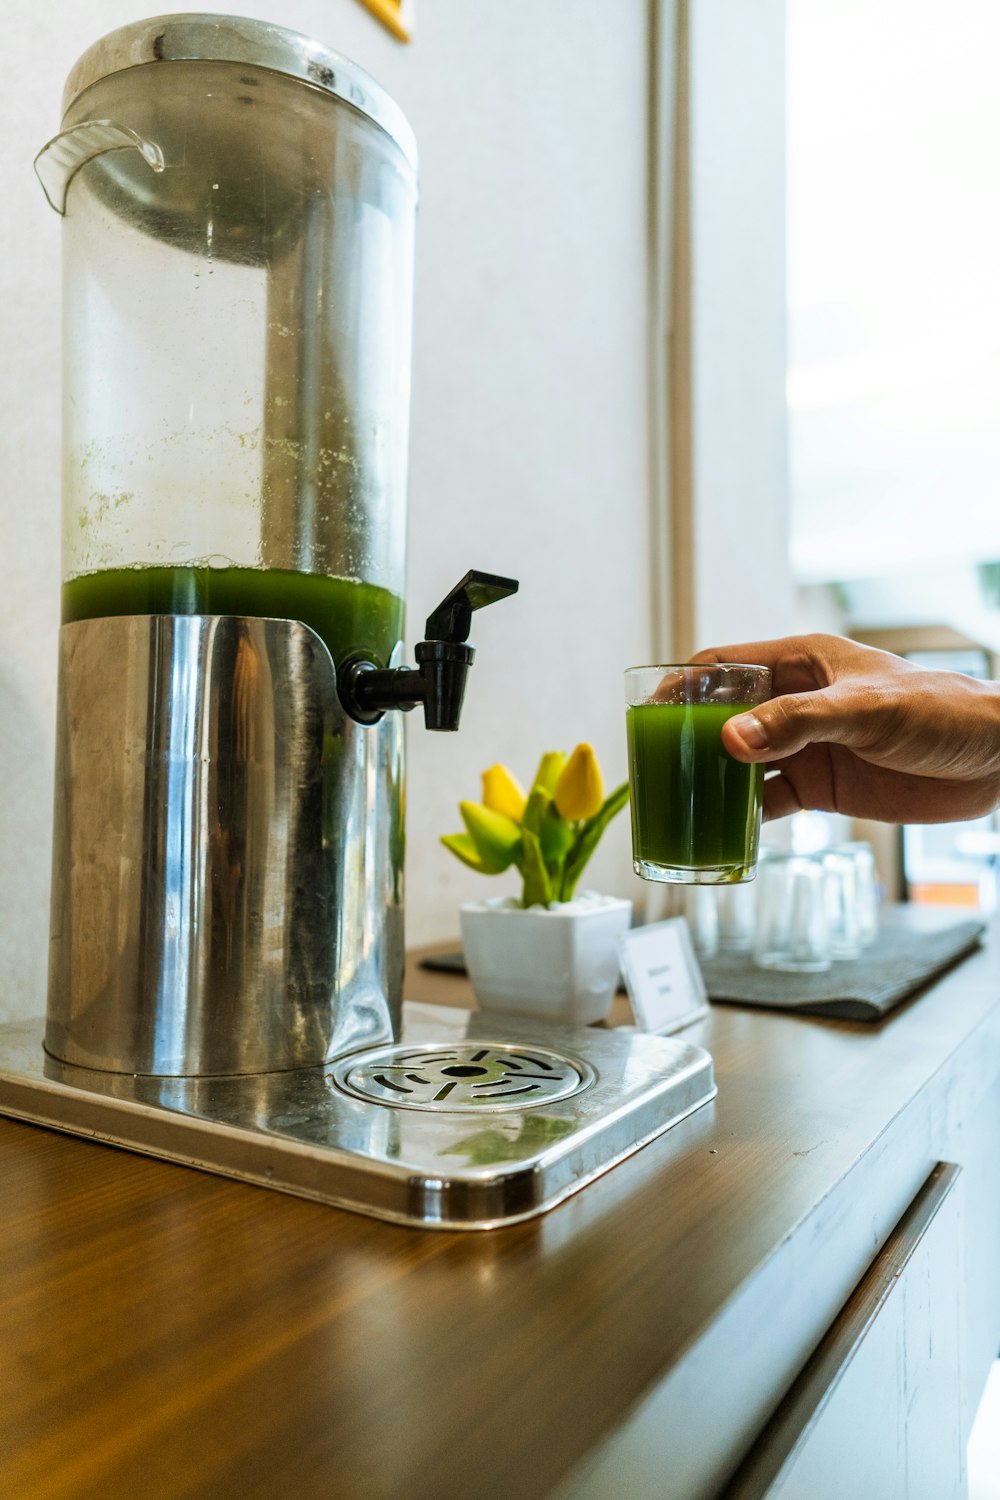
238 240
226 942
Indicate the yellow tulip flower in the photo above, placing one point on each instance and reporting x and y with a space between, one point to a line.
547 836
496 837
550 768
463 847
579 791
503 793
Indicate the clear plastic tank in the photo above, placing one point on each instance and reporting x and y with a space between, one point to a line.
238 248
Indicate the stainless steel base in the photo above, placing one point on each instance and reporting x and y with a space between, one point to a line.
227 852
471 1121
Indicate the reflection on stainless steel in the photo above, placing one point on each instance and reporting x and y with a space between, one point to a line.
301 1133
226 861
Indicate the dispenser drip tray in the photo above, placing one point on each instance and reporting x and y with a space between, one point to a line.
470 1121
469 1077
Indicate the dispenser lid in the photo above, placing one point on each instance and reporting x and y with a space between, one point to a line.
211 38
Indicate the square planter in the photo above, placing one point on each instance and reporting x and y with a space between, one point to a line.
555 963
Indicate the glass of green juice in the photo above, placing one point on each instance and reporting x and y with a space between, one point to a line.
695 810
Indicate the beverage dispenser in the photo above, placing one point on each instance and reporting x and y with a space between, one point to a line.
226 951
238 224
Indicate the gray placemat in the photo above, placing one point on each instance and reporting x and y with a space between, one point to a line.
911 947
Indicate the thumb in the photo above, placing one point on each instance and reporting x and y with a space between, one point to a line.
785 725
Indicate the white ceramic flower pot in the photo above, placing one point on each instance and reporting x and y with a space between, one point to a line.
556 963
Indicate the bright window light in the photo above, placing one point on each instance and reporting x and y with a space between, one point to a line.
894 285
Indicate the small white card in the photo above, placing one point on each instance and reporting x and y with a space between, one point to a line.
662 976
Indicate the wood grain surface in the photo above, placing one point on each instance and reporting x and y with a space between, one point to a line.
169 1333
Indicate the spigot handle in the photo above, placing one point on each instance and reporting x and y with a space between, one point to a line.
452 620
438 682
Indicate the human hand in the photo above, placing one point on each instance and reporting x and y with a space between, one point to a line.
858 731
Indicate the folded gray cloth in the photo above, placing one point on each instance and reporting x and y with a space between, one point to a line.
912 946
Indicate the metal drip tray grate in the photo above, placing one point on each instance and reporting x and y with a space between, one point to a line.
473 1077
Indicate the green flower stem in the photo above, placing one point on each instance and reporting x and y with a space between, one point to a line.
587 838
537 881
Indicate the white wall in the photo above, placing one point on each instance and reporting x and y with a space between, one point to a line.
529 450
743 585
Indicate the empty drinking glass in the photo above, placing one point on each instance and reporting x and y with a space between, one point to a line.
843 911
866 887
792 929
703 919
721 917
736 905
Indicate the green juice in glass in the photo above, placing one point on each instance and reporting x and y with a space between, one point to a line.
695 810
347 616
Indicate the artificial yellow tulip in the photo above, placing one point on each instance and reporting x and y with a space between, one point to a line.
463 848
579 791
503 793
496 837
550 768
548 836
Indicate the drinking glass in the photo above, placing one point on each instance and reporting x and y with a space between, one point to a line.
843 909
866 887
736 906
792 930
703 919
695 810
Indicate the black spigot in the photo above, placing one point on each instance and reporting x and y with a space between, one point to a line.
443 661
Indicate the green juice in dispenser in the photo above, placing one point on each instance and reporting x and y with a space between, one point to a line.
348 616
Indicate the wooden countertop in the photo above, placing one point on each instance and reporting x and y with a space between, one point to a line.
169 1333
